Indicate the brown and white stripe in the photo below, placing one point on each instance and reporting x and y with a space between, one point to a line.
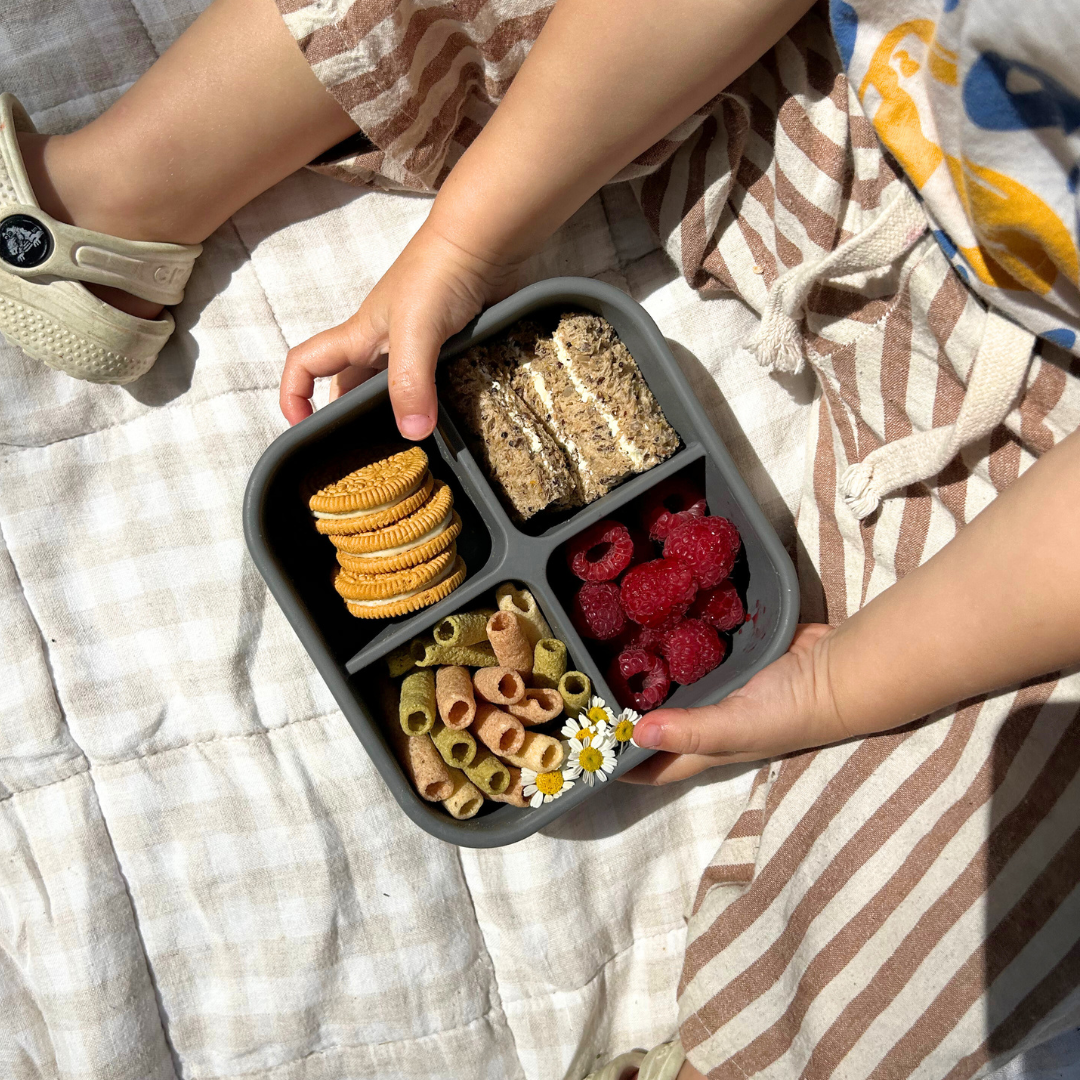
902 906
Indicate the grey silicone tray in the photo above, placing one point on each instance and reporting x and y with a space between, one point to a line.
298 563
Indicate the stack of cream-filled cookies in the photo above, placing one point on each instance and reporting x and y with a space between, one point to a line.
394 526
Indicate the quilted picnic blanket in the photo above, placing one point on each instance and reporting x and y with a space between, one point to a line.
201 874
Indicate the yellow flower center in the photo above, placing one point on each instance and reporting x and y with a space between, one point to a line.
624 730
548 783
596 714
584 736
590 759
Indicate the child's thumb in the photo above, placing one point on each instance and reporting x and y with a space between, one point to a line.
710 729
414 351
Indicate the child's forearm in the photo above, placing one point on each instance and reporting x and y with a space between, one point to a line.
605 80
1000 603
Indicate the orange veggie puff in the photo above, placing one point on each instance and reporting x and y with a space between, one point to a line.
425 768
538 706
500 732
499 685
513 793
506 633
454 697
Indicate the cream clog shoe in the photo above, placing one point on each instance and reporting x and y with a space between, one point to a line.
663 1062
44 309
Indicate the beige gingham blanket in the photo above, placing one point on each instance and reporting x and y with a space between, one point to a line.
201 874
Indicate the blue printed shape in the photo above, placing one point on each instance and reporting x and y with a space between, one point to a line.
991 105
845 25
1063 337
950 5
945 240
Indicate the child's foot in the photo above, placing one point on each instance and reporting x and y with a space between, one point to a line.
77 206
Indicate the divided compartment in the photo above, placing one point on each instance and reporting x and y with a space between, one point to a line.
282 538
544 304
753 577
496 823
297 562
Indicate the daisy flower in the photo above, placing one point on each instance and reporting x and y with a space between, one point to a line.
591 762
623 730
598 715
582 730
542 787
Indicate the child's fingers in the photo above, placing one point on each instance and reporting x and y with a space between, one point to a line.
353 343
351 377
732 728
414 351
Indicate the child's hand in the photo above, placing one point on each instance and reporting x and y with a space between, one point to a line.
787 706
432 290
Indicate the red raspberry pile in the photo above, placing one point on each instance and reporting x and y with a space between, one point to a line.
658 594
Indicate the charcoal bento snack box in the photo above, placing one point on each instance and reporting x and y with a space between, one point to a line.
298 563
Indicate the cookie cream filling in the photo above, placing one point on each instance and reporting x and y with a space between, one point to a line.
434 531
637 456
346 515
412 592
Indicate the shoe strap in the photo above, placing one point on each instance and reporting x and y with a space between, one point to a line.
35 245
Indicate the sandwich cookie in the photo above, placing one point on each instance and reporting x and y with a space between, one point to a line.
412 540
375 487
355 521
364 586
402 604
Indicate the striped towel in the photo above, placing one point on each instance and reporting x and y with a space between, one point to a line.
900 906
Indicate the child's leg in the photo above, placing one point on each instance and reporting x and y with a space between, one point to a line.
228 111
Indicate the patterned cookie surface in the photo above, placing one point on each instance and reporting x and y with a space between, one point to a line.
400 583
367 564
375 485
419 527
388 609
343 525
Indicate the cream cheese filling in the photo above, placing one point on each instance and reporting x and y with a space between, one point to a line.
434 531
346 515
636 455
564 440
413 592
535 445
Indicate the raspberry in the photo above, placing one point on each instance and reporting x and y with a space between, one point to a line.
692 650
719 607
597 613
708 544
658 591
601 553
669 499
643 637
639 679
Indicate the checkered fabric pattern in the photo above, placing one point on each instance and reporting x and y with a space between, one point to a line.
202 875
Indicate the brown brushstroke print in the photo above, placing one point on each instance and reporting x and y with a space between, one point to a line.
931 775
774 877
897 969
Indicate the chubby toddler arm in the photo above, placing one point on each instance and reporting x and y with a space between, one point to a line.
998 604
604 81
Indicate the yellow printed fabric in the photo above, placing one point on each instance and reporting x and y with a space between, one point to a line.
979 102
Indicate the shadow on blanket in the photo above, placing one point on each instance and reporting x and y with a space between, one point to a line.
627 805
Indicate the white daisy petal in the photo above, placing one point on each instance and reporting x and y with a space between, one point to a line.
537 800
